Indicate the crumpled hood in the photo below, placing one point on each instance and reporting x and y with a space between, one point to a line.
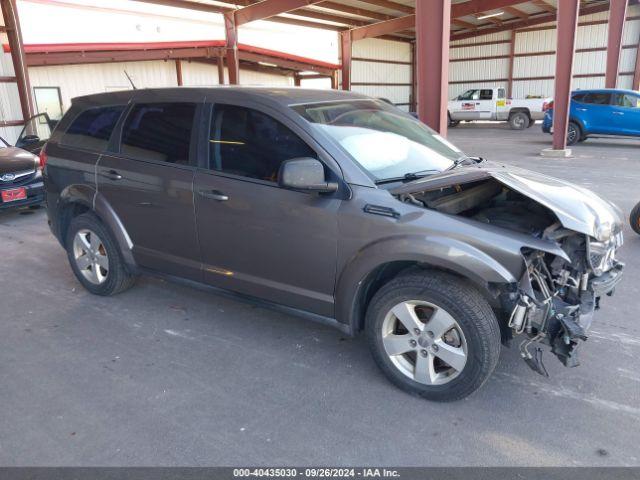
577 208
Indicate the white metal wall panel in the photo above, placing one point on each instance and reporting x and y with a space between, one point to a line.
375 72
479 69
538 88
534 66
249 77
479 51
535 41
625 81
368 72
590 36
200 74
631 31
589 62
76 80
319 83
628 60
382 50
395 94
493 37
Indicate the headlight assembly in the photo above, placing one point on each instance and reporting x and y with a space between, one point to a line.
601 255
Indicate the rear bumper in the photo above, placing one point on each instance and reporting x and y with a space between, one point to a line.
35 196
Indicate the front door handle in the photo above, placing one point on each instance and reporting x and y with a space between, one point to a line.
112 174
214 195
618 113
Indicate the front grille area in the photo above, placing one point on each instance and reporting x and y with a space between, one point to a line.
22 178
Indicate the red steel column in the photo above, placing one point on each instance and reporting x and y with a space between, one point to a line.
14 36
220 64
345 49
233 62
566 43
617 15
636 75
512 54
433 27
179 72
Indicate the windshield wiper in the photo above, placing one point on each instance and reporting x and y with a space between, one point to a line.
407 177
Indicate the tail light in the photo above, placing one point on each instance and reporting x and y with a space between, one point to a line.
547 106
43 158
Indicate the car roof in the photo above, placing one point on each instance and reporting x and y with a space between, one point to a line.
283 96
605 90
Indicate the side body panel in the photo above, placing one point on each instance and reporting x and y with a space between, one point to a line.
483 254
269 242
594 118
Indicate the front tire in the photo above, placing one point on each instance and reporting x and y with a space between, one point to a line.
452 123
95 258
433 335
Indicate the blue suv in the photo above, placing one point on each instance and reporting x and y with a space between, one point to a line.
600 112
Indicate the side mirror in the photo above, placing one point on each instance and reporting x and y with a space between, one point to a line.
305 174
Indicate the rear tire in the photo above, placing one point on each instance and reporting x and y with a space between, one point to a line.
95 258
574 133
519 121
448 319
634 219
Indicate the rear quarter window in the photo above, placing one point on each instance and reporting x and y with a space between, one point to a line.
92 128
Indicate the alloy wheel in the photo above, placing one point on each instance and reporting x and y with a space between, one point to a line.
91 256
424 342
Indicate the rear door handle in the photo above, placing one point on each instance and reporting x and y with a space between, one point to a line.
618 113
112 174
581 109
214 195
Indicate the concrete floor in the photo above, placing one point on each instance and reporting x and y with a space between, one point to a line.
168 375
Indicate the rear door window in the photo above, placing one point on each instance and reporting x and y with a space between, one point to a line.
92 128
159 132
627 100
486 94
598 98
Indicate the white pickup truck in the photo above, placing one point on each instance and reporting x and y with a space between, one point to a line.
492 104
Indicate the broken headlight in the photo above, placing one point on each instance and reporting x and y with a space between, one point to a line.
601 255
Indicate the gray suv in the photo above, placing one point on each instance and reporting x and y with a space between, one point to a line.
340 207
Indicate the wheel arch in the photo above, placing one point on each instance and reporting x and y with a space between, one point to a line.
371 268
78 199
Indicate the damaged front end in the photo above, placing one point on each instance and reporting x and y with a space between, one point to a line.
555 299
556 296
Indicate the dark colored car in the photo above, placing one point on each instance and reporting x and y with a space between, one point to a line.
601 112
20 177
340 207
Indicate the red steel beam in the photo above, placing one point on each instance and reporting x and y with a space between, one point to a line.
433 24
233 61
268 8
533 20
568 11
346 39
617 15
636 74
14 37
